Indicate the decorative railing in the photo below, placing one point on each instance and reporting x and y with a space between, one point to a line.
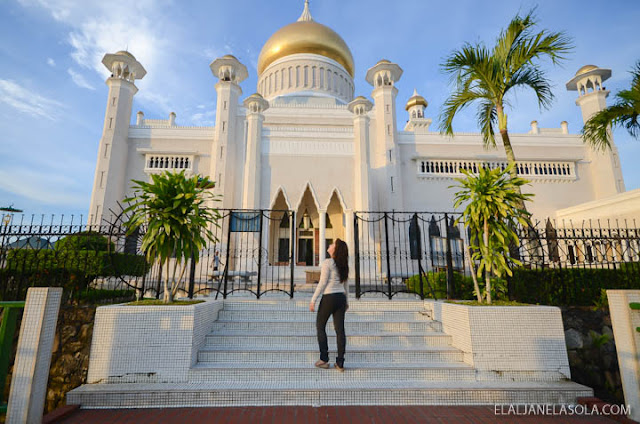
158 163
527 169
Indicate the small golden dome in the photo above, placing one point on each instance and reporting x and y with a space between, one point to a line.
585 69
416 100
306 36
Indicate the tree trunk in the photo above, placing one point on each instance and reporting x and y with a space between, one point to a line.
167 292
467 254
534 245
487 272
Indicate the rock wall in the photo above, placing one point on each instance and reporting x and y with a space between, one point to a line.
70 359
592 352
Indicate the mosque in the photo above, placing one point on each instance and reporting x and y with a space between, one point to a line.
305 142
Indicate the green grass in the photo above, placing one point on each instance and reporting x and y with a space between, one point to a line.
495 303
160 302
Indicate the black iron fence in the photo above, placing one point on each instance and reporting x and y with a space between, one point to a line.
422 253
252 253
568 264
398 252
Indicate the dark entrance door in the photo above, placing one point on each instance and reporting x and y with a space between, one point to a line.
305 251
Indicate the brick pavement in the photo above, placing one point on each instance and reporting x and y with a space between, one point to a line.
321 415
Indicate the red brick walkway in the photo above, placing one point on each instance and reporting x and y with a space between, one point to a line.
322 415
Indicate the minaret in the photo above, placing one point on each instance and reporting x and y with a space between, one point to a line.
109 185
360 108
606 173
255 105
225 149
415 107
385 158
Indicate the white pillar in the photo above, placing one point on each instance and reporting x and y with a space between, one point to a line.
624 322
350 240
323 235
33 356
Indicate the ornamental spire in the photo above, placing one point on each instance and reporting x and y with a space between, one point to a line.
306 15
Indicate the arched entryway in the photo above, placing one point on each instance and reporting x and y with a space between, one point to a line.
280 234
307 230
334 222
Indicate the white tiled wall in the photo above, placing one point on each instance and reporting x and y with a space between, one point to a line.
513 339
138 344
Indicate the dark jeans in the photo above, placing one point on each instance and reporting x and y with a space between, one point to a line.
332 304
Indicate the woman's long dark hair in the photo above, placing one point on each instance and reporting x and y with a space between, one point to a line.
341 258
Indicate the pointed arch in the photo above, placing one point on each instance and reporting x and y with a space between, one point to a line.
314 195
274 199
338 194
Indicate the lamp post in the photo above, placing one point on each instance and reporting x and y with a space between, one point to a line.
7 216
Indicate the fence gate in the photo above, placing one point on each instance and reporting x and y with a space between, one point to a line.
254 253
394 251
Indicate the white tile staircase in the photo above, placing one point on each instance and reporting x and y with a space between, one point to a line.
261 352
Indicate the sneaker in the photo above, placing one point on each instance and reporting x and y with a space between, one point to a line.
322 364
339 368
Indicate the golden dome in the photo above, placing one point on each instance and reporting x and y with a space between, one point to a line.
585 69
306 36
415 100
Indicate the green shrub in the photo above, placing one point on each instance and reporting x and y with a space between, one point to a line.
463 285
85 240
571 286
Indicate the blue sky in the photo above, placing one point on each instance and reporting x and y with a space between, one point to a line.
53 95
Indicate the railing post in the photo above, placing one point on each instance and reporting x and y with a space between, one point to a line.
356 253
450 277
259 254
292 243
225 275
192 275
7 331
386 238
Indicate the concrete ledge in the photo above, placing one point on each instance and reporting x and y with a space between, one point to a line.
510 340
148 344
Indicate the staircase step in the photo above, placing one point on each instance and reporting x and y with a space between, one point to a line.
306 316
306 355
303 305
319 393
278 341
366 373
309 327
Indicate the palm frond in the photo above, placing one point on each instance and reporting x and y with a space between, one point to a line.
535 79
487 118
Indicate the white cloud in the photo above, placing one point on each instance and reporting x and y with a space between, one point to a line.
203 119
96 28
27 101
44 187
79 79
51 62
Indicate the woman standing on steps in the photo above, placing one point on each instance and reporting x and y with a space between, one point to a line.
334 289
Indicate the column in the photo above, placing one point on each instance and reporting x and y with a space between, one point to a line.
350 240
323 235
33 356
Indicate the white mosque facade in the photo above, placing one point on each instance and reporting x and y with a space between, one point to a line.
303 142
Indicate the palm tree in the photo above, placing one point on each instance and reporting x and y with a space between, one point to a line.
176 211
487 76
625 112
493 209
